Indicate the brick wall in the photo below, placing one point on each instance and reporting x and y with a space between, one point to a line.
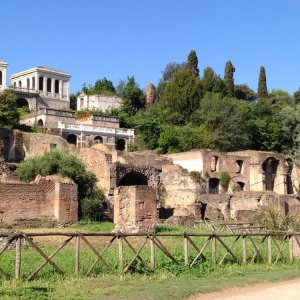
47 199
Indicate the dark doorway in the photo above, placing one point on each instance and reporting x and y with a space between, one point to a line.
41 83
288 177
214 186
270 168
72 139
120 144
49 85
98 139
40 123
133 178
1 78
56 90
240 186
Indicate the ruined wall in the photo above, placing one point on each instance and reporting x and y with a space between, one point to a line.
37 143
47 199
11 145
135 209
178 189
99 163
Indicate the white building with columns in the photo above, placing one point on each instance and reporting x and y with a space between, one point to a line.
52 86
3 68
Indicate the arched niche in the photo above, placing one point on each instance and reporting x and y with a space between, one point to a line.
133 178
72 139
269 167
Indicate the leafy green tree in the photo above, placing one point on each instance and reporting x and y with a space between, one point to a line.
192 62
9 115
262 91
148 129
297 96
243 92
101 87
132 96
212 82
228 79
182 94
226 123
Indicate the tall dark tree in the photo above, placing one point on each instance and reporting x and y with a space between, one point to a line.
228 79
192 62
9 115
262 91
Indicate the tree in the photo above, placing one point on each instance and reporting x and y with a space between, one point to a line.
243 92
9 115
192 62
182 94
212 82
297 96
133 98
226 123
64 164
101 87
228 79
262 91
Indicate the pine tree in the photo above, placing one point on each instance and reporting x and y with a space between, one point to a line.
262 91
228 79
192 62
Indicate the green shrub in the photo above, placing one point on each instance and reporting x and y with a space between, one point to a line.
61 163
92 205
224 180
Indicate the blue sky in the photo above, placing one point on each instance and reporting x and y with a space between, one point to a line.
93 39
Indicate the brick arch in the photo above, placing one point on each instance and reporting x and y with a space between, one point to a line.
121 175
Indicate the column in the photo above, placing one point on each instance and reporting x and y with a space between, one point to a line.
45 84
61 89
68 89
53 87
37 82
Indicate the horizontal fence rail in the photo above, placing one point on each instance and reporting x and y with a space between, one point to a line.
91 253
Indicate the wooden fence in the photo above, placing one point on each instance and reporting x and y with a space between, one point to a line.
193 248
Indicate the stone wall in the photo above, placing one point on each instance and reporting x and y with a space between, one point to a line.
177 187
46 199
135 209
11 145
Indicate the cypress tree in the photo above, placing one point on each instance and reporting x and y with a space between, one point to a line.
262 91
192 62
228 79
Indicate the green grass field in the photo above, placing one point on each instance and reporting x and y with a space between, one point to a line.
168 281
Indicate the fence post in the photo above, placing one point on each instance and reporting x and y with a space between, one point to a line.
77 258
244 249
186 251
214 249
270 249
152 254
291 248
18 258
121 259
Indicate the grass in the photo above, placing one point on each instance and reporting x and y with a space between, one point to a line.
169 281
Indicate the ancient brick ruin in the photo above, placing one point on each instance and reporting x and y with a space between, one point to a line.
44 201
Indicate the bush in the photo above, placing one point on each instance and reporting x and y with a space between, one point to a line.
224 180
64 164
92 205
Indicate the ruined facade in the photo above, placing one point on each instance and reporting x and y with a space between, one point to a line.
150 95
100 102
46 200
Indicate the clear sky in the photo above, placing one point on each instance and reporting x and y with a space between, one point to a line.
92 39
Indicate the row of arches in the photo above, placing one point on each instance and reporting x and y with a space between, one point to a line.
120 145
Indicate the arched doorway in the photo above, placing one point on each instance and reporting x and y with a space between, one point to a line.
49 85
1 78
40 123
240 186
72 139
270 168
98 140
22 106
121 143
213 186
133 178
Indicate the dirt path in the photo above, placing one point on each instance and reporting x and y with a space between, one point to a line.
287 290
